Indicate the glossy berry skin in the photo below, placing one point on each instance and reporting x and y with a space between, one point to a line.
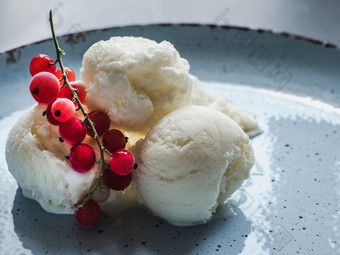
101 123
63 109
41 63
122 162
89 215
65 92
115 181
44 87
82 158
69 73
50 117
113 140
72 131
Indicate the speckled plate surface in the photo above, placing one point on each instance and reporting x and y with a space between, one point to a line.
289 205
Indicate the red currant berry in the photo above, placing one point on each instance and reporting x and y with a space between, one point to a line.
82 158
63 109
115 181
69 73
73 131
65 92
89 215
113 140
44 87
101 123
50 117
41 63
122 162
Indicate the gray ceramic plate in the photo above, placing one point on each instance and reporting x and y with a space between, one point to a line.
290 204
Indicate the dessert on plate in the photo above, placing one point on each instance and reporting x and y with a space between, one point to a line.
190 162
190 149
139 81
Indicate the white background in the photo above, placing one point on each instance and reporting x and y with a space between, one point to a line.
23 21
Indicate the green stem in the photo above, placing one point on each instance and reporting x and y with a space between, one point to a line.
60 53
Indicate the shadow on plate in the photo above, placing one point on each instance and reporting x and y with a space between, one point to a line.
133 232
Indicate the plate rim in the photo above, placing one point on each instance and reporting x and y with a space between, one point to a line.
315 41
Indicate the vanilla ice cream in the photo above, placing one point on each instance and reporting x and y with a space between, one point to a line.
191 161
137 81
244 119
35 157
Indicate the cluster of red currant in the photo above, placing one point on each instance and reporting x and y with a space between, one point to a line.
63 96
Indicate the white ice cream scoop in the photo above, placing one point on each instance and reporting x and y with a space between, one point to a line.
137 81
35 157
191 161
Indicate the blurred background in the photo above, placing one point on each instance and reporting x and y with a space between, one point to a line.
23 22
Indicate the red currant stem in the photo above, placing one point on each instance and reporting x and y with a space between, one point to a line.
54 63
89 195
77 92
74 91
107 151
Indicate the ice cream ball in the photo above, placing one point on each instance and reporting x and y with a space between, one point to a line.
190 162
135 81
36 158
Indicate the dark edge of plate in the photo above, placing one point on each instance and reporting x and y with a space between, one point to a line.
72 37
